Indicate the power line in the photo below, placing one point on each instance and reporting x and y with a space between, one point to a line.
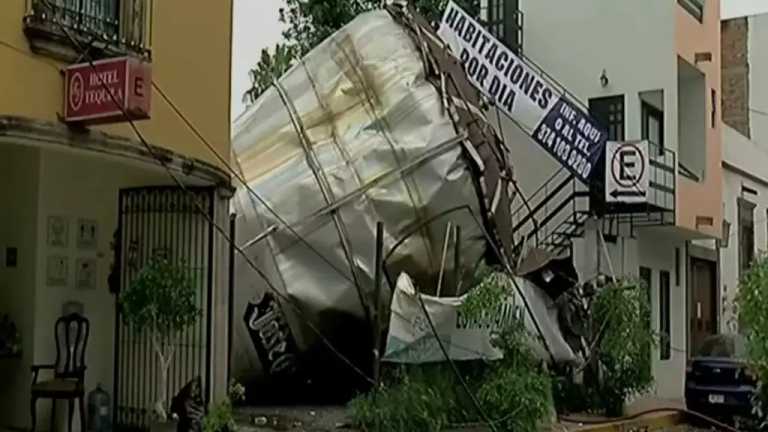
198 206
243 180
28 54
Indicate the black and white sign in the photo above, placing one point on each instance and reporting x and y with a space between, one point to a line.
626 172
271 336
522 93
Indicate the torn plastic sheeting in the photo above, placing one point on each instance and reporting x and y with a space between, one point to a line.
329 149
411 339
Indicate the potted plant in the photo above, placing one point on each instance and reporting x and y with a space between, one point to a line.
161 303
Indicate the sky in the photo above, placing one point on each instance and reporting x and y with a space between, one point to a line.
256 26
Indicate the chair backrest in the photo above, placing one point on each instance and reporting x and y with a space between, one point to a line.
71 340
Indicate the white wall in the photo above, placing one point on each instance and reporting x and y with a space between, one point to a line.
653 248
657 252
574 42
741 155
635 44
19 167
758 69
81 186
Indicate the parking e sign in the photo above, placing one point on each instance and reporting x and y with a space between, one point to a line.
626 172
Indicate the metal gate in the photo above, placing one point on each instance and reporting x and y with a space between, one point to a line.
167 221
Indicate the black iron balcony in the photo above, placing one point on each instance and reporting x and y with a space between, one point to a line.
107 28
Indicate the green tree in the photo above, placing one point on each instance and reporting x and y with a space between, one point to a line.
624 349
270 67
752 308
309 22
161 303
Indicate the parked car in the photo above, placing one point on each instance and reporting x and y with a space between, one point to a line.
718 381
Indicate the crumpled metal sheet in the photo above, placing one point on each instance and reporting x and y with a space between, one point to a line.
360 131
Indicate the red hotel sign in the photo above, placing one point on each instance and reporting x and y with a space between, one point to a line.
87 88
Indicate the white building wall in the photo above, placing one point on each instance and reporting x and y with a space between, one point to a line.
81 186
657 252
758 71
746 165
635 44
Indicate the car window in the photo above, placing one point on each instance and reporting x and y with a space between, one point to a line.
723 346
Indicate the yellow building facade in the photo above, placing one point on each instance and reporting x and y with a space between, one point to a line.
84 206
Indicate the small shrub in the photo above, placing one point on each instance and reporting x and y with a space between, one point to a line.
624 348
752 307
513 392
221 417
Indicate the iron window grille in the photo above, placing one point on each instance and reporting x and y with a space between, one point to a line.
115 26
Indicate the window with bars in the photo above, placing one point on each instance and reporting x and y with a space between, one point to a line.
746 215
653 126
609 111
665 318
99 17
646 276
504 21
112 27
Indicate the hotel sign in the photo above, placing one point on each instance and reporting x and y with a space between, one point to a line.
87 89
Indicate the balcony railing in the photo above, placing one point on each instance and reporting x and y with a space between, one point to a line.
112 27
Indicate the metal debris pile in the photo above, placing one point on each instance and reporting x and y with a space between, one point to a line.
376 124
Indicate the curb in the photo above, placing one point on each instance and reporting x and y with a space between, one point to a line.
642 424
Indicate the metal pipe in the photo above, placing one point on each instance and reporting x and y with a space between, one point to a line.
379 258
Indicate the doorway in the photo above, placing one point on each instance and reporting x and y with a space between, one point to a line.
167 222
703 308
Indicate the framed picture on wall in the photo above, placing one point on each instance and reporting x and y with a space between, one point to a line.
85 273
87 234
57 270
58 231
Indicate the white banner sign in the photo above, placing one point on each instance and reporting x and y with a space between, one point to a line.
411 340
562 128
626 172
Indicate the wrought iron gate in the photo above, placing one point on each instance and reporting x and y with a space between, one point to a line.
167 221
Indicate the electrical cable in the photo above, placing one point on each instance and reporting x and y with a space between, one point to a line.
221 231
27 54
243 180
462 381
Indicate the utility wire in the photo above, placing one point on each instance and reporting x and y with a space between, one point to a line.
243 180
462 381
27 54
223 232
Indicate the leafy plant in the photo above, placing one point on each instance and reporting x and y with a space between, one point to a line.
624 344
516 391
309 22
221 417
161 303
271 66
513 392
419 398
752 307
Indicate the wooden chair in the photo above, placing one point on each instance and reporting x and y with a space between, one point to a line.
68 382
